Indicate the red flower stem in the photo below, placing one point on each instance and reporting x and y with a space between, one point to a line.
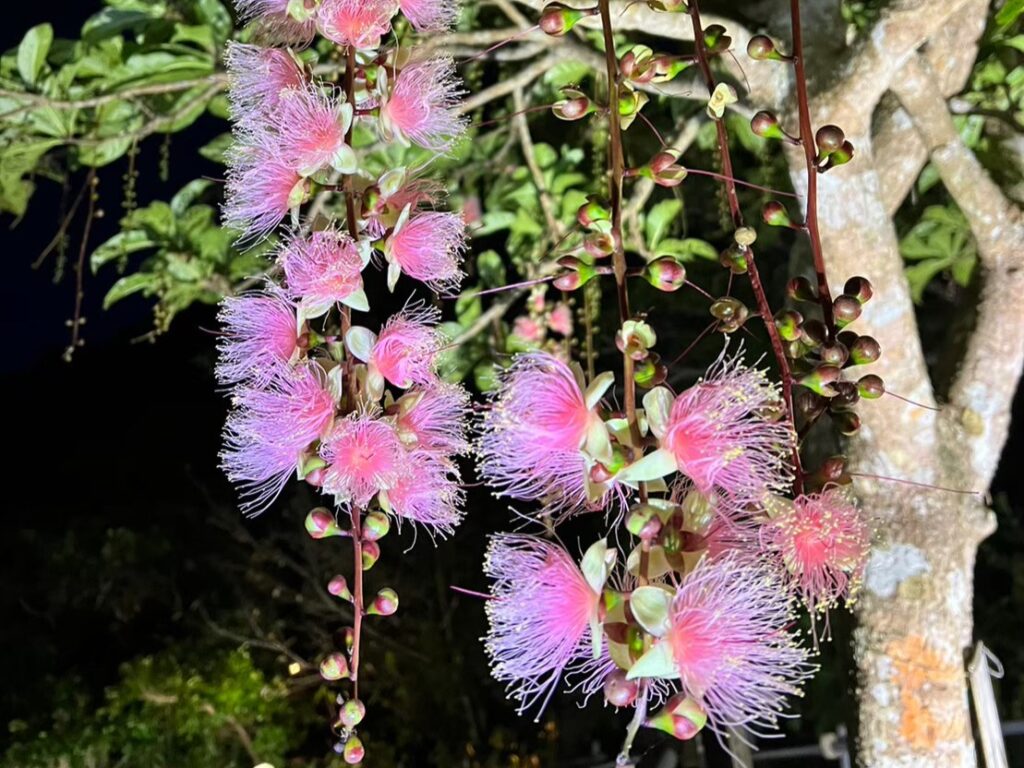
617 164
355 513
763 307
810 154
617 170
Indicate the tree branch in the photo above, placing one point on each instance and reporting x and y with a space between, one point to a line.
985 385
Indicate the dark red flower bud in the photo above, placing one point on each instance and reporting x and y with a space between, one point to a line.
846 309
865 351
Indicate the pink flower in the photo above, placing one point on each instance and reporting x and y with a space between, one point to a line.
429 15
428 494
823 542
258 77
364 457
730 645
420 106
541 616
310 132
533 434
721 440
271 429
262 188
359 23
528 329
407 346
323 269
275 23
393 194
560 320
260 334
428 247
435 420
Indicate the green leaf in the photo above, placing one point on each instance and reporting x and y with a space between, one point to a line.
113 21
659 220
213 13
120 245
129 284
188 195
568 72
33 50
1009 13
491 269
687 249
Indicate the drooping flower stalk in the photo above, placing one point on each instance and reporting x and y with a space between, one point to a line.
361 416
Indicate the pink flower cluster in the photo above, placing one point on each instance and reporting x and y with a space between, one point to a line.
725 557
364 417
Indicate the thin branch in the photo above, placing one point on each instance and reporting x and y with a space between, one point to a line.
984 388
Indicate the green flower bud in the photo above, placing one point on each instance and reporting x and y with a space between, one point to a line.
371 554
334 667
320 524
384 604
665 274
681 717
376 526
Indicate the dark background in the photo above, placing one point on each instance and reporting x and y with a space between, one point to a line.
126 438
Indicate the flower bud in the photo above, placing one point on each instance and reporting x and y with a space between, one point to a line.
730 312
371 554
735 259
865 351
618 691
668 6
841 156
384 604
846 310
810 404
846 395
775 214
592 212
334 667
599 244
320 524
681 717
574 106
846 422
715 39
829 138
820 380
834 354
788 322
813 333
643 522
558 19
376 526
766 125
649 373
859 288
630 104
800 289
352 713
871 387
762 48
665 274
338 587
745 236
354 751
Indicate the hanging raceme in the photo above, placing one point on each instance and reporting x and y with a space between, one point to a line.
360 415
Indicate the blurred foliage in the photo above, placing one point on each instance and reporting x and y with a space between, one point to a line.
186 706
